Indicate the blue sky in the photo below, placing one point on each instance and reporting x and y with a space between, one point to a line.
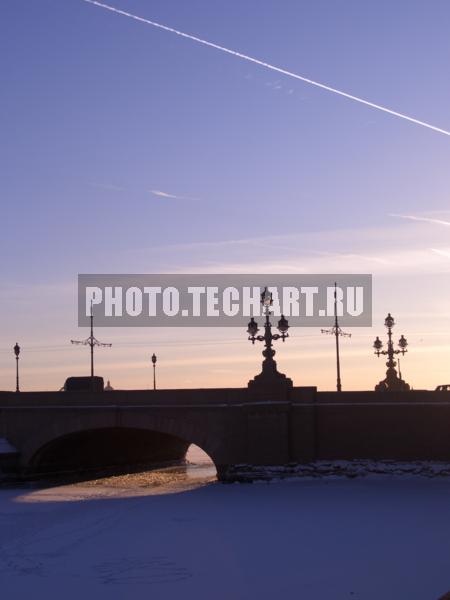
98 111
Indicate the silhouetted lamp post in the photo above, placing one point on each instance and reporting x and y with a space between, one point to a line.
392 381
337 332
91 341
269 372
17 352
154 370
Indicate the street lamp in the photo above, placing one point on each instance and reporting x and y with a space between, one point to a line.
392 380
269 369
154 370
17 352
337 332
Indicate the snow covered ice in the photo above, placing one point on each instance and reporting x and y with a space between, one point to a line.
322 539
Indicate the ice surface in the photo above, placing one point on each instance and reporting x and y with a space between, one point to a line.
311 539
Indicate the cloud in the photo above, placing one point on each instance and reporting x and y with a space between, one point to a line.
378 250
165 194
441 252
423 219
117 188
276 85
162 194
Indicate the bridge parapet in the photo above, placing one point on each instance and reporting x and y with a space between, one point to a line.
235 426
168 397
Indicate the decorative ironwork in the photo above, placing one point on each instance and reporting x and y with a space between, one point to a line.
269 366
392 380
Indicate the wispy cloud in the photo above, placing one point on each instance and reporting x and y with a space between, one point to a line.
441 211
276 85
441 252
423 219
118 188
380 250
162 194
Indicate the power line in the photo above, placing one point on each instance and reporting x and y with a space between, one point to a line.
91 341
337 332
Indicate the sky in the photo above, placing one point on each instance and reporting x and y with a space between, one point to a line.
127 149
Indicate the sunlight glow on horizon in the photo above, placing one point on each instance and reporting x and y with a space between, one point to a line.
136 151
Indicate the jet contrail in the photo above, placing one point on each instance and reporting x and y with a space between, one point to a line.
269 66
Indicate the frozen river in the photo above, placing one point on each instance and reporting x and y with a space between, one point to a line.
177 533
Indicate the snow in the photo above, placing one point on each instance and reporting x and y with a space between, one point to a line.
6 447
339 530
342 468
170 536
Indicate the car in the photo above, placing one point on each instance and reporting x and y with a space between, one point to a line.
443 388
84 384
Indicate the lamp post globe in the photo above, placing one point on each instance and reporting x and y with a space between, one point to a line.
283 326
378 344
403 343
389 321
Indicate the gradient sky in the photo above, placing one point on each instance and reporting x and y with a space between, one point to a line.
260 173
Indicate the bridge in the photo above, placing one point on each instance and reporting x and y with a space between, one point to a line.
237 427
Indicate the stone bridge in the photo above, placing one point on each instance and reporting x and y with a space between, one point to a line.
236 427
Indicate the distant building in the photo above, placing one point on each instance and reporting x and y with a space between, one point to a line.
108 387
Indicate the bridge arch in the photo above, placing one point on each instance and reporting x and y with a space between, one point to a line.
96 443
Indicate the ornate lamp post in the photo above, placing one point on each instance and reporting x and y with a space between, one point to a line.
392 380
399 367
269 372
17 352
154 370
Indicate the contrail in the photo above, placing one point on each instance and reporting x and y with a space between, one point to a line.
269 66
